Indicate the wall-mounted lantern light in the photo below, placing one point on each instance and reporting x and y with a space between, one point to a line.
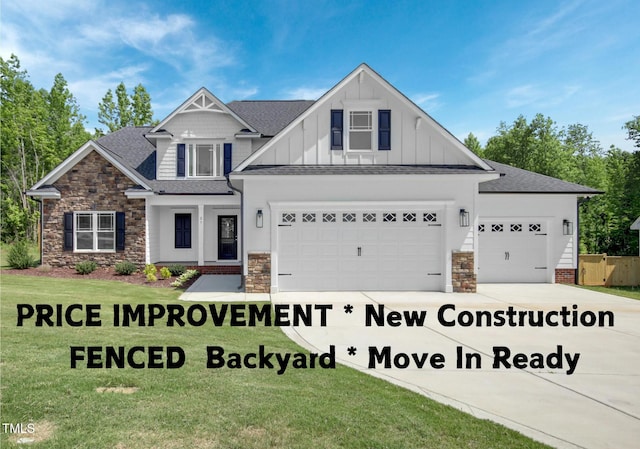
464 218
567 227
259 218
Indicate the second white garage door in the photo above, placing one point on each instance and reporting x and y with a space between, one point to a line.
373 249
512 250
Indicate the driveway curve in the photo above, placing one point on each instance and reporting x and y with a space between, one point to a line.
571 382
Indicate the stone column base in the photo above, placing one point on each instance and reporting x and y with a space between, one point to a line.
258 278
463 278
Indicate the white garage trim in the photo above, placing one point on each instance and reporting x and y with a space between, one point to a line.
316 218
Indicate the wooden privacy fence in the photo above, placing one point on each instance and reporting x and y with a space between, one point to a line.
600 269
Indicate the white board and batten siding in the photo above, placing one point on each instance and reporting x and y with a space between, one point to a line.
415 138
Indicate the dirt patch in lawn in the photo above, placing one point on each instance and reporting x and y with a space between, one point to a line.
103 274
42 431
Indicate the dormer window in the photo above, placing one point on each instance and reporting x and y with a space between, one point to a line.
204 160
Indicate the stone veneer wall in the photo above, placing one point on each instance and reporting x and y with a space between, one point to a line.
258 278
565 276
462 275
93 184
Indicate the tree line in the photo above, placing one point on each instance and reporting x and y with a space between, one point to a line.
39 128
573 154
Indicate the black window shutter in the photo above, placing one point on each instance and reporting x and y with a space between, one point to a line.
181 160
336 129
227 158
67 245
384 129
120 231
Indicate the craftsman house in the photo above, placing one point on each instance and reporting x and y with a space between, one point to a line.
359 190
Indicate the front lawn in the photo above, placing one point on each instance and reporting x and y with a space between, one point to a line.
196 407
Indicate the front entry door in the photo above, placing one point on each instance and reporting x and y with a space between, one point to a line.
227 237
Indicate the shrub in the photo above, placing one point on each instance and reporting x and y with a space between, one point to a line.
19 256
177 269
165 273
150 269
184 277
151 277
86 267
125 268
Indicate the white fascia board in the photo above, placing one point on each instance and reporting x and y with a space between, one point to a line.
138 193
205 91
227 201
49 195
476 177
80 154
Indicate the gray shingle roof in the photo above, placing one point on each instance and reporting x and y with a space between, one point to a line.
269 117
516 180
361 169
134 151
192 187
131 148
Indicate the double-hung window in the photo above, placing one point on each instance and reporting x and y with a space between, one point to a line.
95 231
360 130
204 159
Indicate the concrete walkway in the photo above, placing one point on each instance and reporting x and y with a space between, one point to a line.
220 287
598 406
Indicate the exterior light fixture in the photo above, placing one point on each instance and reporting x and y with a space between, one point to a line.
464 218
567 227
259 218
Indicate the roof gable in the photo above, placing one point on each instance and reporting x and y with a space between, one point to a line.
201 101
80 154
419 139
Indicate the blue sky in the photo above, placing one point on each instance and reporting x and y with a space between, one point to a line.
469 64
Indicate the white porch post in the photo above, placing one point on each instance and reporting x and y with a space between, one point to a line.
200 234
147 230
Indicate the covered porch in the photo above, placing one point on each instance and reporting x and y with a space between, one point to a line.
196 231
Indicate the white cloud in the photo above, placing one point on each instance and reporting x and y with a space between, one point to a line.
427 101
305 93
520 96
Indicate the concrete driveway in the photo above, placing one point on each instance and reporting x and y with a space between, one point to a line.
597 406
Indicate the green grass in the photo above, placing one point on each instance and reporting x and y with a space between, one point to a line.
627 292
198 407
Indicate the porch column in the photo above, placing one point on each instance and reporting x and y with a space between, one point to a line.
200 234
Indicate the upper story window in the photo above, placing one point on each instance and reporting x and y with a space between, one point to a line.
366 129
360 130
204 159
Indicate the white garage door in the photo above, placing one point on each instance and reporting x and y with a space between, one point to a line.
373 249
512 250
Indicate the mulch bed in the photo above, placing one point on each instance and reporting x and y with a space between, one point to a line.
103 274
